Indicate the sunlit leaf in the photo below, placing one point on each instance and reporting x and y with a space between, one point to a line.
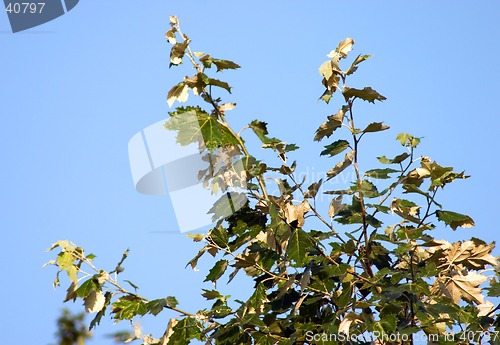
94 302
178 93
328 127
341 166
335 206
366 94
375 127
193 124
454 220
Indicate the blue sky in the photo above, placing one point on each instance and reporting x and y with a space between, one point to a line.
75 90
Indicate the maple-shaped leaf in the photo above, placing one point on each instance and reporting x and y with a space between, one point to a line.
465 287
327 128
193 125
473 254
125 308
366 94
296 212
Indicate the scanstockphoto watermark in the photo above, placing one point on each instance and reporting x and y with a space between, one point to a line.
25 15
482 337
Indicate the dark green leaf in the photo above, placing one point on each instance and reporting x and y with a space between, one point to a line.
88 286
217 271
156 306
335 148
212 294
298 246
185 330
125 308
260 129
454 220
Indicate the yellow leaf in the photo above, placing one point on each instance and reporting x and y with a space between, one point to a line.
345 46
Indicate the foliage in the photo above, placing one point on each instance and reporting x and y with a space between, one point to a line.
371 267
71 329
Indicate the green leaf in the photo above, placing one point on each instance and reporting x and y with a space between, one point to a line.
219 236
193 124
375 127
354 65
260 129
65 262
335 148
408 140
367 188
396 160
217 271
156 306
219 83
494 290
366 94
328 127
87 287
212 294
380 173
185 330
225 64
298 246
337 169
454 220
125 308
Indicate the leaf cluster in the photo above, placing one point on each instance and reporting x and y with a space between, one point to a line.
371 265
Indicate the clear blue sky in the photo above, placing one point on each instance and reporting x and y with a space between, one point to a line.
75 90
